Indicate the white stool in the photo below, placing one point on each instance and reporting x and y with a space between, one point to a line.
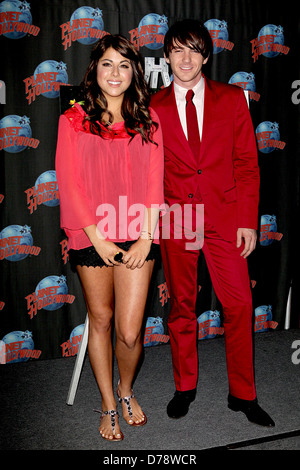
78 363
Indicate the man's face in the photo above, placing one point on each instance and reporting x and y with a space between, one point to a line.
186 65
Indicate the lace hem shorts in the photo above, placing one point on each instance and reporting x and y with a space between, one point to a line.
89 256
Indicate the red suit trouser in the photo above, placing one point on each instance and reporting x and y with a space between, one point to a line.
230 280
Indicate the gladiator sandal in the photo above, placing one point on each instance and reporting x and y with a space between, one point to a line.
112 414
126 401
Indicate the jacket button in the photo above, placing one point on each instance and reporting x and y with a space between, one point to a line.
199 171
191 195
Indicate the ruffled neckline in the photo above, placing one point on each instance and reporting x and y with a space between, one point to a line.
76 113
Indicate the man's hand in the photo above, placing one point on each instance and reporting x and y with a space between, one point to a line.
249 236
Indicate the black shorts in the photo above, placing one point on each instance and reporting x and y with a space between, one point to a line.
89 256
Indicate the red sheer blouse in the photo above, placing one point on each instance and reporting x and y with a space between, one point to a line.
106 181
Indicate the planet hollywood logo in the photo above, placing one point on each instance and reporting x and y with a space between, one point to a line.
150 32
71 347
18 346
154 332
268 137
16 20
16 134
219 34
268 230
16 243
263 319
64 250
246 81
269 42
86 26
209 324
51 293
163 293
46 80
45 191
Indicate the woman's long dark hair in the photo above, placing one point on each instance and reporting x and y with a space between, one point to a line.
135 106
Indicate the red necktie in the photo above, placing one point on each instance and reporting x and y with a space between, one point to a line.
192 124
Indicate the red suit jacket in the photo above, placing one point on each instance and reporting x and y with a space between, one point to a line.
227 173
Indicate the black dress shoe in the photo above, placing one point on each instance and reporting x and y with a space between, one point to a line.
252 410
179 405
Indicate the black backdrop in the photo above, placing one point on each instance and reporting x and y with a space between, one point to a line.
45 45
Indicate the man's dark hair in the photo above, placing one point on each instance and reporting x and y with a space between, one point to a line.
190 33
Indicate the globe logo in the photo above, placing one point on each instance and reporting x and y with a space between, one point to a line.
24 16
26 346
208 323
52 66
275 46
268 227
97 24
219 34
154 325
16 235
245 80
267 135
152 40
49 198
77 331
263 317
19 133
71 347
52 302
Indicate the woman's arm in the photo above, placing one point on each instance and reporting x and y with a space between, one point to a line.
75 209
139 251
105 248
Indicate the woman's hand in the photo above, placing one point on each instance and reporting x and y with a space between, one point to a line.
107 251
136 255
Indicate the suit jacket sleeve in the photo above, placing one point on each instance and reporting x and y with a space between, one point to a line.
246 170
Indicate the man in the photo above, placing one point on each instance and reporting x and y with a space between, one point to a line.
222 173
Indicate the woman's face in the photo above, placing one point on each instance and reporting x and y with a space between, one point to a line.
114 74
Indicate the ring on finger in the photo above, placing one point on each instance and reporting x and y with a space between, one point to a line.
118 256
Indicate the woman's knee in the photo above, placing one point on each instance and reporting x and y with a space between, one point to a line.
100 318
129 338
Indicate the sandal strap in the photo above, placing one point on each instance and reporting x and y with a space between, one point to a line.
127 400
112 414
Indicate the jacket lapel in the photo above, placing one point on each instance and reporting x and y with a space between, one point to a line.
176 119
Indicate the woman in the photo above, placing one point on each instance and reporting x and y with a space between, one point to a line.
109 153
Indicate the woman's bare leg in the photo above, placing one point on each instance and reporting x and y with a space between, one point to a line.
131 290
97 285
